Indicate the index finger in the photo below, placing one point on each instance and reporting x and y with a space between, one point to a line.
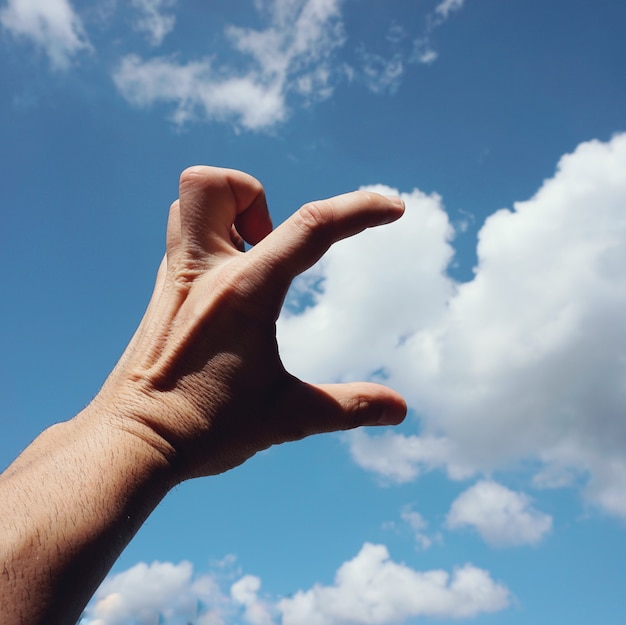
303 239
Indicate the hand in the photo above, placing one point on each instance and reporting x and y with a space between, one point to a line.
202 381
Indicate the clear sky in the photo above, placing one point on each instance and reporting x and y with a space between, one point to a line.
496 305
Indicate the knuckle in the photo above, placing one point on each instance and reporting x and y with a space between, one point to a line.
191 174
234 284
315 215
202 176
359 404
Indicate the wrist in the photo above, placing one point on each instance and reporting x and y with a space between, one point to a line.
109 480
121 425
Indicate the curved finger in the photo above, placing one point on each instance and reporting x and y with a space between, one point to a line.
302 240
212 200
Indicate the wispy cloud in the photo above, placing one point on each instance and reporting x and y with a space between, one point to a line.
199 92
154 19
292 61
418 525
526 360
423 50
446 7
52 25
291 57
265 73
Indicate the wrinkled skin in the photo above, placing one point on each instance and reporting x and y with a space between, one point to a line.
203 372
200 389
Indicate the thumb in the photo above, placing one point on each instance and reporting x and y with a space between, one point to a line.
313 409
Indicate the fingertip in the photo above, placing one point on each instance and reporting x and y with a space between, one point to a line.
367 403
398 206
393 413
395 208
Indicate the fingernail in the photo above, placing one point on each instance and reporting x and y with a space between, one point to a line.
397 203
392 415
396 199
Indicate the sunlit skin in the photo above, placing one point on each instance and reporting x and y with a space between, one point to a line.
199 390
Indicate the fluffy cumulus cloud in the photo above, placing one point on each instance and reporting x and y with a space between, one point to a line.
369 589
245 592
160 592
526 360
501 516
370 294
401 459
290 57
372 589
52 25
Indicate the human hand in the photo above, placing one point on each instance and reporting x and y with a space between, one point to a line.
202 381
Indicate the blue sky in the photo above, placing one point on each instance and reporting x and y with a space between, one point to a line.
495 305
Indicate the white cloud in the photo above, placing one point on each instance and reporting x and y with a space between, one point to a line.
291 57
245 592
292 60
501 516
399 458
153 19
377 290
423 51
381 74
527 360
144 594
372 589
418 525
446 7
197 91
50 24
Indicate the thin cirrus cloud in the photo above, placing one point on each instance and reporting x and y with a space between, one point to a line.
448 6
370 589
525 361
154 19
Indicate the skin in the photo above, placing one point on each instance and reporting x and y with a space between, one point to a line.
199 390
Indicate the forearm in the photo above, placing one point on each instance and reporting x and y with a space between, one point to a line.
70 504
